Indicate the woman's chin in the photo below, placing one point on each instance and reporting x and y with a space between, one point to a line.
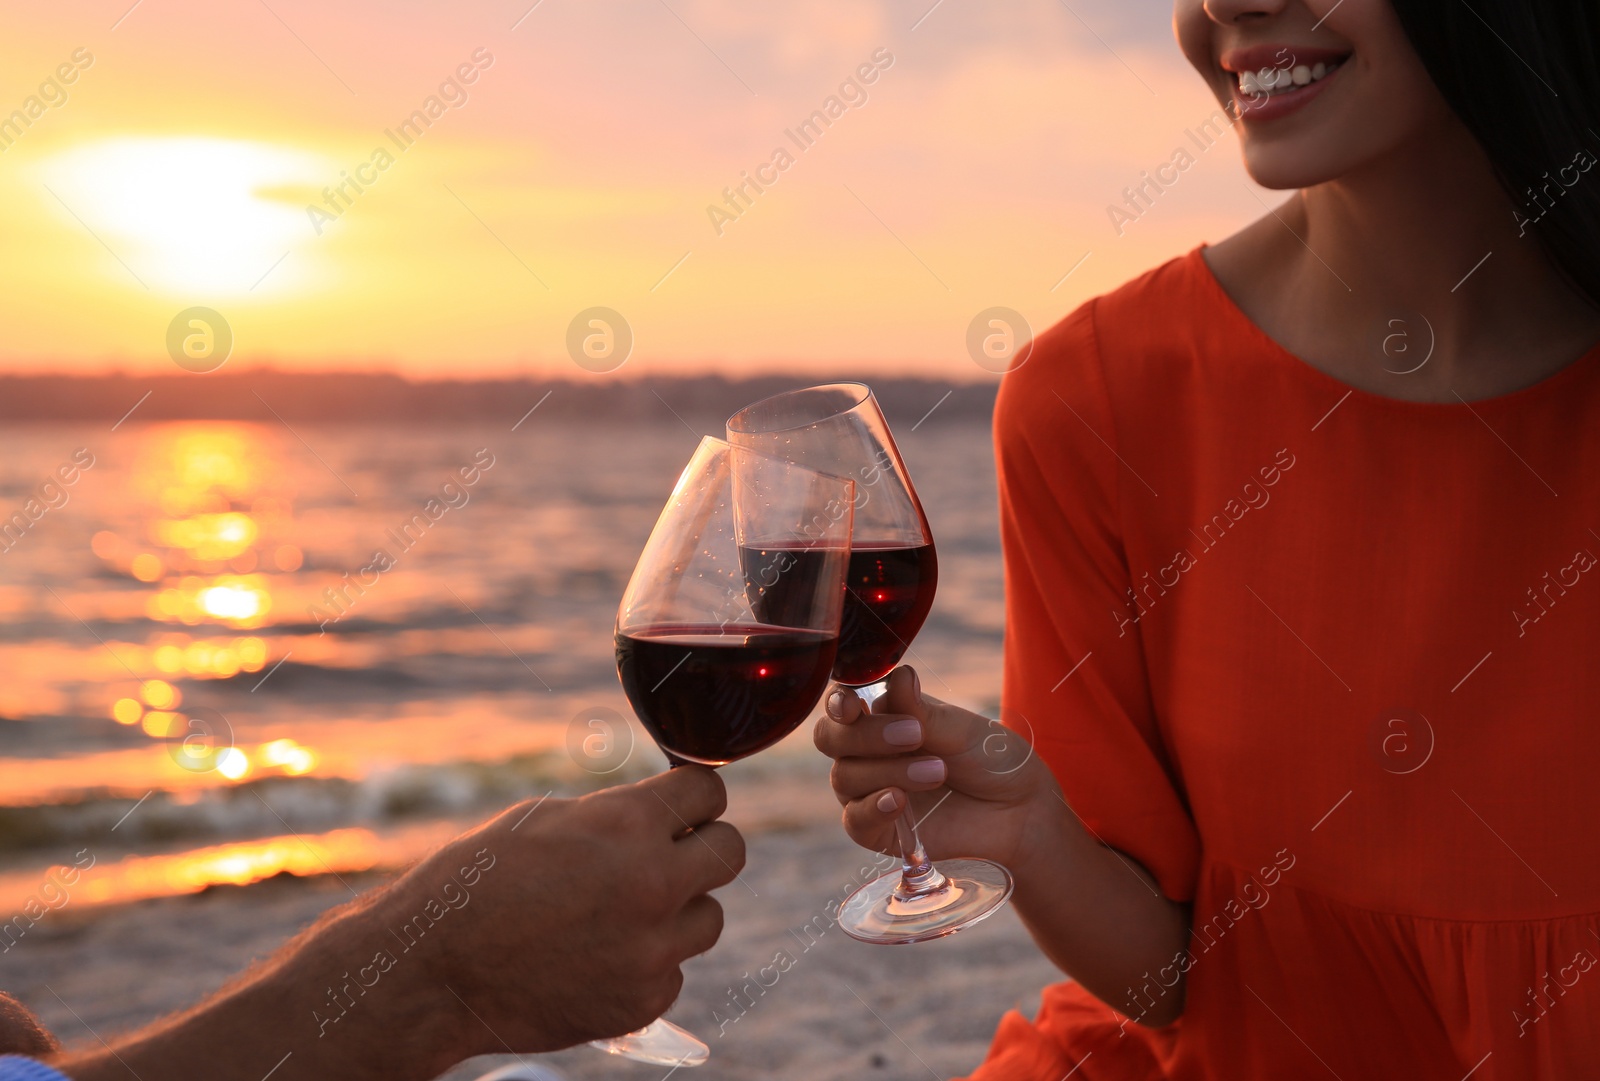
1285 167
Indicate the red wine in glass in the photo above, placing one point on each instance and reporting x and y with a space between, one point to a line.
888 592
712 694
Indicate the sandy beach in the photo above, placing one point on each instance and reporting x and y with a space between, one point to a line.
841 1009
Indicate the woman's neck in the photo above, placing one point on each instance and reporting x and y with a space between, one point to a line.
1408 278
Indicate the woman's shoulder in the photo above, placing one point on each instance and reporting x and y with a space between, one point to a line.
1163 304
1140 331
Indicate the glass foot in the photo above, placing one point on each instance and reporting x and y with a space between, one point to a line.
660 1042
880 912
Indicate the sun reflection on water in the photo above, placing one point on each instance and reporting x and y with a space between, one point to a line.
113 880
134 878
213 541
237 600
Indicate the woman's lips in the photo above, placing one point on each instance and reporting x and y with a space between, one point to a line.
1260 96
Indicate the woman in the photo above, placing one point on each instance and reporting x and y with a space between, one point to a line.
1300 536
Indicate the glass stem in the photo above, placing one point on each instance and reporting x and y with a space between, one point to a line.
918 876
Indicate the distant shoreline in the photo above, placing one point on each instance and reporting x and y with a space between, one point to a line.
271 396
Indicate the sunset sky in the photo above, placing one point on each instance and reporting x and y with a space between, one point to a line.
578 171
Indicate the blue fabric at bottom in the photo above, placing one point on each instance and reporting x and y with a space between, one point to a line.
20 1068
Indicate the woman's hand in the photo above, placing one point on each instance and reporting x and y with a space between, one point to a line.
978 789
994 797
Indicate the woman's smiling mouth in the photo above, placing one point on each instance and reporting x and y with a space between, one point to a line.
1271 81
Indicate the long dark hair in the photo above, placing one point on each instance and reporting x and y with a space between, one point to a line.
1524 76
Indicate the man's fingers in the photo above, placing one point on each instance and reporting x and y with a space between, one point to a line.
712 856
689 796
699 926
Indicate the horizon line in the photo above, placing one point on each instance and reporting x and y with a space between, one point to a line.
554 374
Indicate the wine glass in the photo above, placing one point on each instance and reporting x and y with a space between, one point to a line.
728 628
839 429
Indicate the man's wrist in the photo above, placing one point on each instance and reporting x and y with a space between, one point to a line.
382 982
322 1008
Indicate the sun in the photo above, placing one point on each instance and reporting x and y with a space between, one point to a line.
193 216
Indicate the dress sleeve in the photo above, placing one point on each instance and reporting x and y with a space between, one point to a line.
1075 671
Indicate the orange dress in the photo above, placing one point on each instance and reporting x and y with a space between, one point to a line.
1326 663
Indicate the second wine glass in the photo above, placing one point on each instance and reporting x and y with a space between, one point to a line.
729 627
839 429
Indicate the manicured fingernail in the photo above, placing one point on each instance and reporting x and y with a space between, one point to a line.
916 685
836 705
926 770
887 803
906 732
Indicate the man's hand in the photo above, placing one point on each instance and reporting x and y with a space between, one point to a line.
557 922
582 913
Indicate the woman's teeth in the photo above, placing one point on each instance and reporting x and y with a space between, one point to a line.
1277 80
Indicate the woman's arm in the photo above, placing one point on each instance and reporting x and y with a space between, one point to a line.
1094 912
1102 919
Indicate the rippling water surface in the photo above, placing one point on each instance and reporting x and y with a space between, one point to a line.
233 650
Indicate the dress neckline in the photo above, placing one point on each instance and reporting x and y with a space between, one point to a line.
1556 381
